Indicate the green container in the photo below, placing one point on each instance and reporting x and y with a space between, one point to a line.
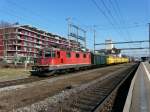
103 60
99 59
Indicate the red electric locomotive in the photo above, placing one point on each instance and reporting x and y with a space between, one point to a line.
54 60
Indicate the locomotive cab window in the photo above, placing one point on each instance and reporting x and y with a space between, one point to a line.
68 54
47 54
50 54
53 54
77 55
58 54
84 55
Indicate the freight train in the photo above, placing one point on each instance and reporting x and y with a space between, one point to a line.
51 61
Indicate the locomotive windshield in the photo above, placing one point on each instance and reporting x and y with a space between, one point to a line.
50 54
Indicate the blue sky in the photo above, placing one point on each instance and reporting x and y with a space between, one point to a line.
128 21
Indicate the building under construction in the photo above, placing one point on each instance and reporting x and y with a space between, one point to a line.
24 43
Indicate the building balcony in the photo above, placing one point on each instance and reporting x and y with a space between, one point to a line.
35 37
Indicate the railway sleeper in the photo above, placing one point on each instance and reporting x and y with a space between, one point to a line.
89 95
101 91
87 102
82 107
70 110
105 92
89 98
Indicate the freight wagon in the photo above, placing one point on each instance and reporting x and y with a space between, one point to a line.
107 60
97 59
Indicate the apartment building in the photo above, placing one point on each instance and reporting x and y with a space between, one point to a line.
24 43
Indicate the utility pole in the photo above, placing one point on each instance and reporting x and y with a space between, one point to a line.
94 38
85 39
77 33
94 31
149 41
69 28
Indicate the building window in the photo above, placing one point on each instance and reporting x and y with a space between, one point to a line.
68 54
84 55
53 54
42 37
25 43
38 36
30 49
19 41
26 33
25 49
40 53
19 48
58 54
77 55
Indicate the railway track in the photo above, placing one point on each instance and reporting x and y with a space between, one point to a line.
32 79
98 97
48 88
20 81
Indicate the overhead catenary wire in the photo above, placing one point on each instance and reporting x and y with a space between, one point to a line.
109 16
104 14
117 10
115 20
119 16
